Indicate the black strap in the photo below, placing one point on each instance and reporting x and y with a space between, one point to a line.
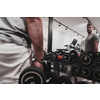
25 37
39 60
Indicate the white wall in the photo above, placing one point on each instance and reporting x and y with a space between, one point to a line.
60 38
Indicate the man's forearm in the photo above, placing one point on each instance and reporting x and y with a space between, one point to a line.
35 31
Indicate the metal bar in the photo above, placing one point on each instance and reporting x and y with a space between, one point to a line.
49 40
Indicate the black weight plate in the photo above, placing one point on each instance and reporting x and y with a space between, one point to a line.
85 72
60 66
64 80
81 82
32 75
51 77
53 56
96 75
75 70
86 59
67 57
73 53
65 67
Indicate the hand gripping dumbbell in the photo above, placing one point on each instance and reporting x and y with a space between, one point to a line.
33 75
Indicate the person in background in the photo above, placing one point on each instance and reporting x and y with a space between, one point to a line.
92 41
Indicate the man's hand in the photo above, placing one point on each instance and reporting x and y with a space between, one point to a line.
96 46
37 64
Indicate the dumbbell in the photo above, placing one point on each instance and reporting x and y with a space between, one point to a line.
51 78
73 54
86 59
65 67
63 80
60 66
67 57
53 56
75 70
96 75
32 75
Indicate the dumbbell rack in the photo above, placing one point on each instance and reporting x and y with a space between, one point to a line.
69 68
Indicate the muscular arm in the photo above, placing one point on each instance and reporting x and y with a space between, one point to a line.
35 31
96 46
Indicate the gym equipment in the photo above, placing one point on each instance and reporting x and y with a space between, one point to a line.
65 66
51 78
81 82
32 75
73 54
96 75
60 66
75 70
63 80
44 55
67 57
53 56
85 72
86 59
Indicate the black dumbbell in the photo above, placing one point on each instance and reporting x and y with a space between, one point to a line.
86 59
32 75
63 80
53 56
51 78
75 70
85 72
65 67
96 75
67 57
73 54
60 66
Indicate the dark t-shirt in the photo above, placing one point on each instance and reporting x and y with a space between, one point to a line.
89 45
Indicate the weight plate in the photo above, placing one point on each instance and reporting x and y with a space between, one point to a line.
53 56
67 57
64 80
75 70
32 75
60 66
85 72
51 77
65 67
74 54
81 82
85 59
97 75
